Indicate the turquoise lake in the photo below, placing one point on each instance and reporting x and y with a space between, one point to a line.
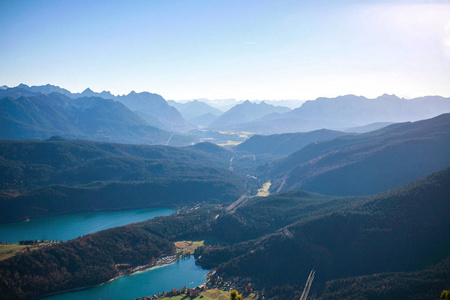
71 226
149 282
152 281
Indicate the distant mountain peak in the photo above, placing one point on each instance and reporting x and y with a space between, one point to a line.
246 112
387 96
23 86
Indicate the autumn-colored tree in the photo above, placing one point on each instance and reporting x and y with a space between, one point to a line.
234 295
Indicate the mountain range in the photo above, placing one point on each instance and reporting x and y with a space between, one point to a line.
196 112
151 107
348 111
57 176
244 113
26 114
43 116
361 164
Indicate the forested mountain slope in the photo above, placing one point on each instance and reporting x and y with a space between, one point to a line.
405 229
40 178
417 285
276 239
367 163
286 143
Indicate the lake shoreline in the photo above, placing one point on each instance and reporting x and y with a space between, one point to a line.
71 226
135 270
86 211
161 262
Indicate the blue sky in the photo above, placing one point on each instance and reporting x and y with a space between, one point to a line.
229 49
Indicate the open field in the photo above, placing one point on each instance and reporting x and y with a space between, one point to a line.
213 294
188 247
264 191
7 251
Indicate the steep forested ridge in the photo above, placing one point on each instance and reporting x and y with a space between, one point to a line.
367 163
424 284
42 178
277 239
284 144
405 229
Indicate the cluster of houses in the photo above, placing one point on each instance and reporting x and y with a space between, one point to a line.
244 285
190 292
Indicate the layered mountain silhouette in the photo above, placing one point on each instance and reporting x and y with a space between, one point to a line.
156 111
245 112
367 163
349 111
197 112
150 107
345 113
28 115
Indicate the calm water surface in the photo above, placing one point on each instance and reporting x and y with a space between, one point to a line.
67 227
145 283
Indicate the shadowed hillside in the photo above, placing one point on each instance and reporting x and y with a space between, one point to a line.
276 239
284 144
405 229
41 178
367 163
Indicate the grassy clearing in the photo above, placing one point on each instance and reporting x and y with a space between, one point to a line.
188 247
7 251
212 294
264 191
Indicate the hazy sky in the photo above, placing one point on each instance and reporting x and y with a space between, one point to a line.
229 49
